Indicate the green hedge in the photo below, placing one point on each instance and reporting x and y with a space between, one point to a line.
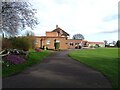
22 43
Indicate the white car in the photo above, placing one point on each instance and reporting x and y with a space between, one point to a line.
111 44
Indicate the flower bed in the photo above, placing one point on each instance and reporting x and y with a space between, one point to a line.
12 60
14 57
37 50
31 59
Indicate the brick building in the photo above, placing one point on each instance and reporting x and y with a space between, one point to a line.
60 36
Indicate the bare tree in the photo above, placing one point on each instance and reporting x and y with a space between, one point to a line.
17 16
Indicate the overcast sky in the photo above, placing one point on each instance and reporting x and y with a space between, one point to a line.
96 20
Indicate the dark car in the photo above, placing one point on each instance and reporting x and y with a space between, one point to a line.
78 47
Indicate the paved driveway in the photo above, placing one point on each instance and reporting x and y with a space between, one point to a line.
57 71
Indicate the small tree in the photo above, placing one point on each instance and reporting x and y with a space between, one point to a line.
105 41
114 43
118 44
78 36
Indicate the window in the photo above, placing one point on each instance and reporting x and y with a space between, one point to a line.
71 43
76 43
57 41
48 42
36 41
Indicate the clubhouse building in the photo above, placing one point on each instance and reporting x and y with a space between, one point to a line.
60 36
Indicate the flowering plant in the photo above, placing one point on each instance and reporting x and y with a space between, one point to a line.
14 59
37 50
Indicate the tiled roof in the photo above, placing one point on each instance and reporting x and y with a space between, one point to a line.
77 40
49 37
96 42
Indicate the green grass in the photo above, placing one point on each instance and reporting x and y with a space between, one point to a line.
104 60
32 58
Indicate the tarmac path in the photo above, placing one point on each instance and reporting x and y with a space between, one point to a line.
57 71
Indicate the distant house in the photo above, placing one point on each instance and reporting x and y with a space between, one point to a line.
58 35
99 44
72 43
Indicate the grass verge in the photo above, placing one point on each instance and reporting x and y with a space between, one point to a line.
32 58
104 60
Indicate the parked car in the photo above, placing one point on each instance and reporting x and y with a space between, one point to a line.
111 44
78 47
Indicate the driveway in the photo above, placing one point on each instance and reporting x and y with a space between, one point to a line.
57 71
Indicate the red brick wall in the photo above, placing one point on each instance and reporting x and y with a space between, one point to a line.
63 42
51 34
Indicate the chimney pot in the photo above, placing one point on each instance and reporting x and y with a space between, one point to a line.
56 26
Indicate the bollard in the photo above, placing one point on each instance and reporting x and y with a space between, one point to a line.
44 47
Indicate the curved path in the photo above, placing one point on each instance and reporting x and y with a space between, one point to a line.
57 71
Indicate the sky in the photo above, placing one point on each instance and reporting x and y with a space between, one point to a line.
96 20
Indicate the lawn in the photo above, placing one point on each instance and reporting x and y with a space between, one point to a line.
32 58
104 60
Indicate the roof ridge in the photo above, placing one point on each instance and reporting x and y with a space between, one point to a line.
58 29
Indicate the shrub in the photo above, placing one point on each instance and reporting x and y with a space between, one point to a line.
32 41
5 64
96 46
6 43
22 43
118 44
91 46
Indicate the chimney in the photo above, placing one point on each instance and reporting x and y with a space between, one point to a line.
56 26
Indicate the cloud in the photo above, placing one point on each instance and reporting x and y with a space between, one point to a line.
60 1
110 18
114 31
76 16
